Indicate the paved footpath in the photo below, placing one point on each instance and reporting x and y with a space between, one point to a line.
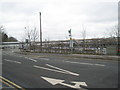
104 57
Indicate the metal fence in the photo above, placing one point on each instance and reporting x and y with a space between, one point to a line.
91 46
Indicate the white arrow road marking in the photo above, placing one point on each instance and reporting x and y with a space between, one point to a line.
58 81
31 59
12 61
77 84
85 63
63 71
52 81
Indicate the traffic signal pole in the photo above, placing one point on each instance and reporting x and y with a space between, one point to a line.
71 41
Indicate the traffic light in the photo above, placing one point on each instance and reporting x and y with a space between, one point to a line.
26 40
69 31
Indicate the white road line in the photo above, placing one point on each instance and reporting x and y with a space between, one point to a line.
63 70
45 59
85 63
56 70
12 61
31 59
75 58
99 64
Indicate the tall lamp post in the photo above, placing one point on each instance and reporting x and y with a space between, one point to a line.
40 33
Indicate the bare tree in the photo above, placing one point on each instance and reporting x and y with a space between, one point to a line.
3 34
115 31
32 36
1 31
83 33
1 28
112 32
28 33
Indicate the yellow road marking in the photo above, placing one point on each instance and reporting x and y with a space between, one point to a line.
6 83
11 83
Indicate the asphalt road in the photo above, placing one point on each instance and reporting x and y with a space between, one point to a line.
46 71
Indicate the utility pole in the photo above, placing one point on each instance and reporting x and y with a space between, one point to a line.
40 34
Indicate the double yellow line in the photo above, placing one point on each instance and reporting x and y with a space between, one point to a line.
9 83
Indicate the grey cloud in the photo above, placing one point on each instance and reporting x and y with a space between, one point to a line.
59 16
18 8
103 12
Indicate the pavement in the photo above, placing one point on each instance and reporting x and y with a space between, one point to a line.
41 71
103 57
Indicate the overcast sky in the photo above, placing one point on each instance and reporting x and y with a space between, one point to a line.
58 16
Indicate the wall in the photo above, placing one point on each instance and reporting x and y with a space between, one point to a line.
111 50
